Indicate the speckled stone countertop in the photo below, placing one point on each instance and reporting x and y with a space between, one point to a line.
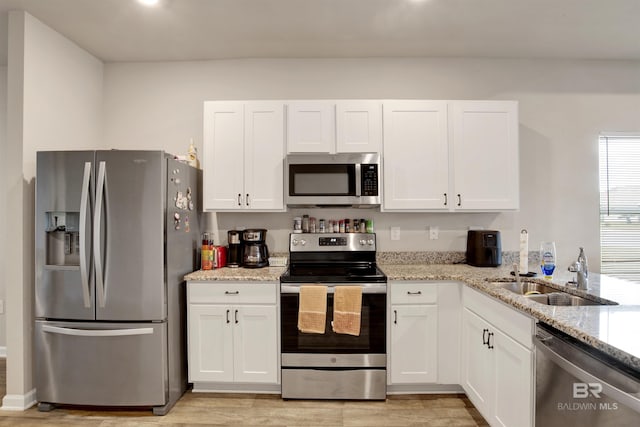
613 329
240 274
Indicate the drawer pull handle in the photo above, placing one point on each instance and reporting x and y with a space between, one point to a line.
489 340
485 341
231 292
228 316
414 293
395 317
235 316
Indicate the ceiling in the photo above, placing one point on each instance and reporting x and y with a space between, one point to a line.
124 30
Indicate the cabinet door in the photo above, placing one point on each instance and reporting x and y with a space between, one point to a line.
415 155
484 135
255 344
358 127
478 377
414 344
223 170
264 155
514 377
210 343
311 127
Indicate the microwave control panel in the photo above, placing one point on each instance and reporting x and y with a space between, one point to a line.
369 179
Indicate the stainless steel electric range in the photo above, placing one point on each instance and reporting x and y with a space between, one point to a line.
332 365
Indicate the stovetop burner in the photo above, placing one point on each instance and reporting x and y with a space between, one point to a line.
333 258
331 273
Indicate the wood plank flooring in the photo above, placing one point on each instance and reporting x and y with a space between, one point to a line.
213 409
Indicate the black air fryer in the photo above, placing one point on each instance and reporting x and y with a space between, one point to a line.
484 248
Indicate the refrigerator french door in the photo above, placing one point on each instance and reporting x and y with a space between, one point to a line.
115 233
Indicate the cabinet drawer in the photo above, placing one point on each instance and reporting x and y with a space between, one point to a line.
513 323
413 293
232 292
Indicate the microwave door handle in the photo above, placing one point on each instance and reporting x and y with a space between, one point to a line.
358 180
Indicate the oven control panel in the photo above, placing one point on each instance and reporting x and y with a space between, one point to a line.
332 242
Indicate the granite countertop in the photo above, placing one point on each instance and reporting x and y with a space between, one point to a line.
613 329
240 274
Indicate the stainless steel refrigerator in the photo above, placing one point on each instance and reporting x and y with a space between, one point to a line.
116 231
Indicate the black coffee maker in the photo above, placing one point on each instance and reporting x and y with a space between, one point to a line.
234 254
254 248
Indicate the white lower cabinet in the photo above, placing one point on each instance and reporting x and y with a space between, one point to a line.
423 315
232 333
497 360
414 353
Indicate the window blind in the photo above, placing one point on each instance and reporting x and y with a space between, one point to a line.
620 206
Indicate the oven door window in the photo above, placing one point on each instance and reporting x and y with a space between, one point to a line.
372 338
322 180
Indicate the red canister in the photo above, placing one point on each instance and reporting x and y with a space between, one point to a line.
220 259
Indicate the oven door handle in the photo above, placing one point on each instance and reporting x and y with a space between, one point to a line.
366 288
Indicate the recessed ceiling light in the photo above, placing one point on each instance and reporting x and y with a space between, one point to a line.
149 2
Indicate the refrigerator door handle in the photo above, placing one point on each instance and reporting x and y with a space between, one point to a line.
97 241
84 206
97 332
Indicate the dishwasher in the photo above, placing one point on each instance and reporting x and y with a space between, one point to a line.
579 385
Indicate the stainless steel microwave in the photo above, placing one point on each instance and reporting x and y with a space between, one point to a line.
327 180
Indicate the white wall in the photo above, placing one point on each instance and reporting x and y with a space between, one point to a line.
563 107
55 102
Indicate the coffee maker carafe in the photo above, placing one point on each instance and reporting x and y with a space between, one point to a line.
234 255
254 248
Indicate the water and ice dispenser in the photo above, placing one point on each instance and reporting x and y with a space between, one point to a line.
63 238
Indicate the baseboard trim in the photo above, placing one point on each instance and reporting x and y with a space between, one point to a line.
19 402
3 352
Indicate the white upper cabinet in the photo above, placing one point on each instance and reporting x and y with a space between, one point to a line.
345 126
450 156
484 139
311 127
415 155
358 126
264 155
243 155
223 155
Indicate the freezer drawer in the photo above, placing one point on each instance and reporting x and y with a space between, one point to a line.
123 364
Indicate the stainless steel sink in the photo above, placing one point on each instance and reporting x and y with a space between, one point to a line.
544 294
526 288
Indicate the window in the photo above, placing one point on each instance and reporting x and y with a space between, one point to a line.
620 205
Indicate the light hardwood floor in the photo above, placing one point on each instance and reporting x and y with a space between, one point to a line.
201 409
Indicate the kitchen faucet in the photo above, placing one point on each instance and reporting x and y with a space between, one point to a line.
581 269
